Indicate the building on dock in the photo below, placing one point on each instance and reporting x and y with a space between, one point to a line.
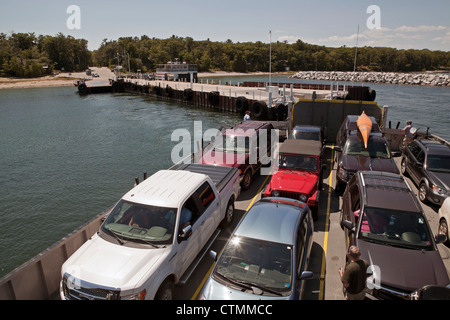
176 71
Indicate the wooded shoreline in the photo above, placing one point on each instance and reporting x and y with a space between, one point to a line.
423 79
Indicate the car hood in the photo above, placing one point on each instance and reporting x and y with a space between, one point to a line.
442 178
225 159
101 262
405 269
357 163
214 290
292 180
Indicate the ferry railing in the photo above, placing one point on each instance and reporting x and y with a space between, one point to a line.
40 277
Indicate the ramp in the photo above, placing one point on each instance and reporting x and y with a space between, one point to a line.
331 113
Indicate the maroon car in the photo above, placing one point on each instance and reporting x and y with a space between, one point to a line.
352 156
242 147
382 216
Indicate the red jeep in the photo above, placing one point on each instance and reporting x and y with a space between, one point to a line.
242 147
298 173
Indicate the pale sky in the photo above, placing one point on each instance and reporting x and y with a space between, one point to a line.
403 24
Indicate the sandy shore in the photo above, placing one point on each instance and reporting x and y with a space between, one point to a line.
7 83
63 79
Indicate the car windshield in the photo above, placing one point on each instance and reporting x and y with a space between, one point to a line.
257 263
136 222
298 162
231 143
375 149
438 163
395 228
305 135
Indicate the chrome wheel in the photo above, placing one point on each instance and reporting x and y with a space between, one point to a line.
403 167
423 192
228 215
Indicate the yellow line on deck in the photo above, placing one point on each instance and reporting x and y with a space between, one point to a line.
327 226
210 269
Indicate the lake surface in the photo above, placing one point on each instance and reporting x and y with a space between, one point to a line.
65 158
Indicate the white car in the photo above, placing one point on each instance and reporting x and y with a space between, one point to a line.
444 218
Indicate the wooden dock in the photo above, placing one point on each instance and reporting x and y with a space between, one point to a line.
265 103
95 86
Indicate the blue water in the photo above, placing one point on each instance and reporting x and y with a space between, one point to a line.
425 106
65 158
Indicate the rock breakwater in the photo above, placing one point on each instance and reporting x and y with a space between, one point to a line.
422 79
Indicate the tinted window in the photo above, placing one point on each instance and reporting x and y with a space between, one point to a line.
414 149
438 163
206 195
375 149
395 228
301 242
421 157
291 161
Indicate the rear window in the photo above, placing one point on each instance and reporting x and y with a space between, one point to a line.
303 135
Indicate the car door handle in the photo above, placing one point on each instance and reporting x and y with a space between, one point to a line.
203 222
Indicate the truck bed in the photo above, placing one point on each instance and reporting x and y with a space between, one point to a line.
218 174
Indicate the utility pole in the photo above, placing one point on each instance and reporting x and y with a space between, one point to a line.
270 57
356 50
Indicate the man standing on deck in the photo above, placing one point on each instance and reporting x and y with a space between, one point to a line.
355 275
407 130
408 134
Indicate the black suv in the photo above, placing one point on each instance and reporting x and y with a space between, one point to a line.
427 162
352 156
382 216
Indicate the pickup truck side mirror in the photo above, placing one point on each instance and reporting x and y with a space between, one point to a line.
338 149
185 233
348 225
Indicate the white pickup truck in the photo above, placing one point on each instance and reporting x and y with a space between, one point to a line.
149 242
